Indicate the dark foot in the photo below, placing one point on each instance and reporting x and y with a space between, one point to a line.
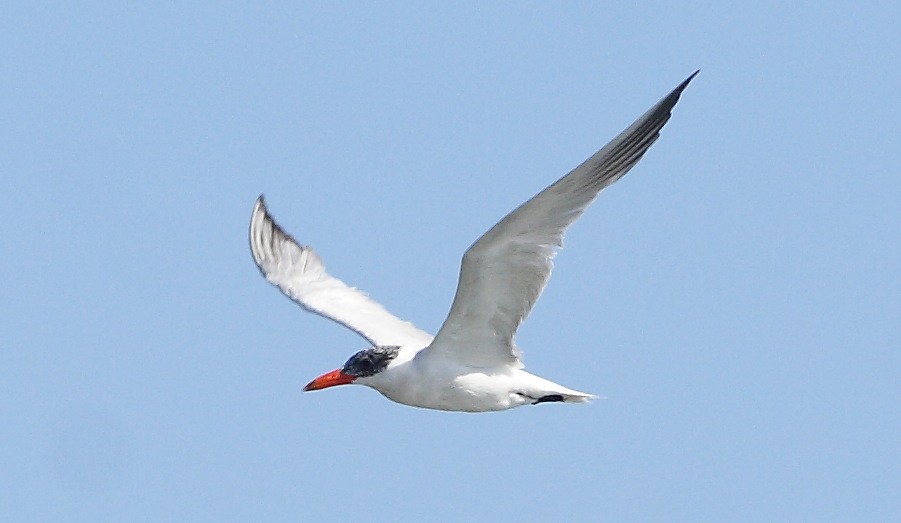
549 398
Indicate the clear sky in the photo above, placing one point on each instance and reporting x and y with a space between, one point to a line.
736 297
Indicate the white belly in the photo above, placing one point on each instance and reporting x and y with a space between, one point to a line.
463 388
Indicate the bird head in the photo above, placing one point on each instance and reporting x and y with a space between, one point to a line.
366 363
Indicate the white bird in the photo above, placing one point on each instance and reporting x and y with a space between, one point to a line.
472 364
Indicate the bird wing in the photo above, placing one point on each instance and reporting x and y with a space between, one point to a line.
300 274
505 270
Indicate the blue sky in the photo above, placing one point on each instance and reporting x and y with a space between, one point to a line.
736 296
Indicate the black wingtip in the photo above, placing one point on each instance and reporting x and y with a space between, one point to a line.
685 82
669 101
681 87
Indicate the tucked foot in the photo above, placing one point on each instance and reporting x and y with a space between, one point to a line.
547 399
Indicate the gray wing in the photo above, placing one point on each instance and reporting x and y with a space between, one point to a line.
505 270
300 274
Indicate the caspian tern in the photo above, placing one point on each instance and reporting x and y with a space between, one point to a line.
472 364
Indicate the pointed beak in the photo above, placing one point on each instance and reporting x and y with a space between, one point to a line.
329 379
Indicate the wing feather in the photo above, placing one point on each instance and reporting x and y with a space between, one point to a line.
504 271
300 274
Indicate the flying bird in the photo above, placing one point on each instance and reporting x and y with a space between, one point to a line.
473 363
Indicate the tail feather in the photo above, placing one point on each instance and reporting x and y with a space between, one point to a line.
542 388
579 397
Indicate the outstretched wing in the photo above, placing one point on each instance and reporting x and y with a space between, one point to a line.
505 270
300 274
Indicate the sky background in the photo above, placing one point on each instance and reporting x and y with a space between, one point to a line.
736 297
